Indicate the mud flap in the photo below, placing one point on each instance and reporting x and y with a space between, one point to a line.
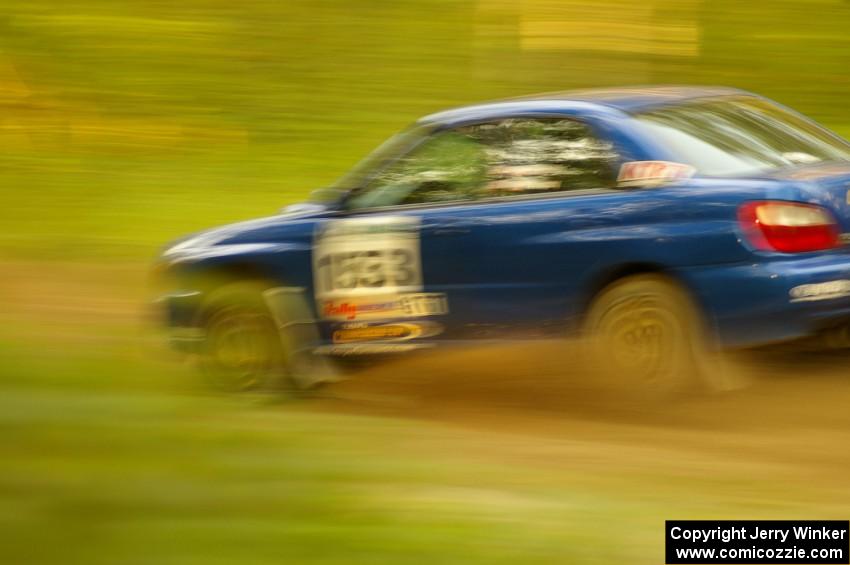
299 334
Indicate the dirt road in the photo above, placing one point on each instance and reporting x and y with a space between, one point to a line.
791 429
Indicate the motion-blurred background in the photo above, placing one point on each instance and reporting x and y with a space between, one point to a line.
124 124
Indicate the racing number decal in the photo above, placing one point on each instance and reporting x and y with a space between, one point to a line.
370 269
364 256
383 269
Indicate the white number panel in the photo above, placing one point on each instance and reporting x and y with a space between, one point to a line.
376 255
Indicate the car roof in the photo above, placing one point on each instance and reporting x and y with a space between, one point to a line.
607 100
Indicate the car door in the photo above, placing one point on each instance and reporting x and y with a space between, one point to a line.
383 268
516 250
482 207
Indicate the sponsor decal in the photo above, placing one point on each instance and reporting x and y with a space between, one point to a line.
400 331
820 291
336 309
411 305
346 349
652 173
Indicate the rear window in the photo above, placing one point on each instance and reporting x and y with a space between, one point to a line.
741 137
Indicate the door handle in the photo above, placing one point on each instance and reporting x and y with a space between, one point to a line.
450 231
449 227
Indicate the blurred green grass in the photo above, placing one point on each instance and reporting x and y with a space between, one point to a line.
125 472
125 123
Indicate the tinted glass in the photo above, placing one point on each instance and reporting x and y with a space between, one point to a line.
509 157
534 156
741 136
387 151
448 166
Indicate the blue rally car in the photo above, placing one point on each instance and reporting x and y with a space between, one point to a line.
662 224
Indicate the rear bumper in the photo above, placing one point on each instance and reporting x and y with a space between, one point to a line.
774 301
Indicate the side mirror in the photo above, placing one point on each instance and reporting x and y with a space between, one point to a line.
319 200
303 208
327 196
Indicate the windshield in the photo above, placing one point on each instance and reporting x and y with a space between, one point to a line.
399 143
741 136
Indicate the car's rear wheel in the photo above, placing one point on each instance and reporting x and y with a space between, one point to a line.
242 351
645 338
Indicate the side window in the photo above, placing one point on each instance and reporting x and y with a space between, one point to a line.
528 156
504 158
448 166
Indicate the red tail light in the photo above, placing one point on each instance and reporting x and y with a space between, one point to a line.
788 227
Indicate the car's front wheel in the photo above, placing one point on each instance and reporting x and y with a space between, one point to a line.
242 350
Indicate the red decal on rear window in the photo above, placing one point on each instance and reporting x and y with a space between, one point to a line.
652 173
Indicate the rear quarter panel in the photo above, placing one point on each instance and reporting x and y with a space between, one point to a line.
551 256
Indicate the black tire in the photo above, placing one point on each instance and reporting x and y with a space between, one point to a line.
645 338
242 351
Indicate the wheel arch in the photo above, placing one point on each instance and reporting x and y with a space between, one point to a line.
211 273
608 277
220 274
199 281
